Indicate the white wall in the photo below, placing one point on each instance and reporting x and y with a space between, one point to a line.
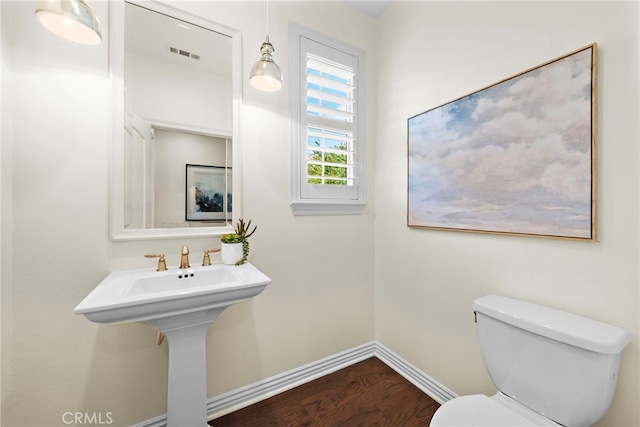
5 216
435 52
320 302
54 214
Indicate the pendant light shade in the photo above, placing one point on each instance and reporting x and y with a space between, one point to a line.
265 74
70 19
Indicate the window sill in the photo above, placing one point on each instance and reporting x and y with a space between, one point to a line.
327 208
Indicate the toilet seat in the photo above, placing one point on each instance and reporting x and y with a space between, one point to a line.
480 410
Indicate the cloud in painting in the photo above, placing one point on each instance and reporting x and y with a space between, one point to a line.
517 154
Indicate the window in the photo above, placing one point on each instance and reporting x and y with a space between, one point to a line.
327 109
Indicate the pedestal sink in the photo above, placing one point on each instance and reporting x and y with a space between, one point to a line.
181 303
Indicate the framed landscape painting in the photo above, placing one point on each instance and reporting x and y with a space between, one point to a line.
516 157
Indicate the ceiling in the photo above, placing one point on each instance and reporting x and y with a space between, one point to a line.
373 8
154 34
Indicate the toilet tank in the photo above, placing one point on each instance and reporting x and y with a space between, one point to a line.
558 364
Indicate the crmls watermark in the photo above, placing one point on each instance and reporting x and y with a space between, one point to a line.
87 418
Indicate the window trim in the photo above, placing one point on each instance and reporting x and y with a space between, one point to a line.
335 205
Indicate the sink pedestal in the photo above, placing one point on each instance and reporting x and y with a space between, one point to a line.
187 388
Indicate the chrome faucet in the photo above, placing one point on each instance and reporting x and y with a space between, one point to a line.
184 257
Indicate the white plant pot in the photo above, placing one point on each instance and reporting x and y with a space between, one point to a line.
231 253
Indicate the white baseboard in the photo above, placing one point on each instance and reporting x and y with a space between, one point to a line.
424 382
245 396
242 397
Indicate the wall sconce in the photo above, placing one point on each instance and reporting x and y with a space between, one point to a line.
70 19
265 74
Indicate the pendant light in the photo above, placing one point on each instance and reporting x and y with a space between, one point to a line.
70 19
265 74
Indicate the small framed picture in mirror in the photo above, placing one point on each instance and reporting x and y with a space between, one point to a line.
208 193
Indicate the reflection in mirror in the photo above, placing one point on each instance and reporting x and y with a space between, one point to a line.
192 188
173 173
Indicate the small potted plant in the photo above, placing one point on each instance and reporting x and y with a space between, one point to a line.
235 246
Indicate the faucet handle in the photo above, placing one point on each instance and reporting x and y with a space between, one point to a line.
162 264
206 260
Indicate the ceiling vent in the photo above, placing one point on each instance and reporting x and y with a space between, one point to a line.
185 53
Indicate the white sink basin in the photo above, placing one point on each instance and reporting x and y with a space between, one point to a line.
182 281
181 303
139 295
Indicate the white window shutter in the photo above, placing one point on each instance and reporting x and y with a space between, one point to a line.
328 121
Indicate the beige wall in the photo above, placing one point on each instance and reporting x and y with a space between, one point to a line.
55 245
434 52
320 302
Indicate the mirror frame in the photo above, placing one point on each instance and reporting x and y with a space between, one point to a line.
116 155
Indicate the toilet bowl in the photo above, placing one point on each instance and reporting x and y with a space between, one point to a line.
551 368
481 410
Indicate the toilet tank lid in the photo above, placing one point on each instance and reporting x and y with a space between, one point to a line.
554 324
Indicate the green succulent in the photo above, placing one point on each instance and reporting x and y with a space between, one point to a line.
241 235
242 229
231 238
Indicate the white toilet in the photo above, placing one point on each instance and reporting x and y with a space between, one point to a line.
551 368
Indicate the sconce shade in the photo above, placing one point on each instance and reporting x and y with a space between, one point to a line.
265 74
70 19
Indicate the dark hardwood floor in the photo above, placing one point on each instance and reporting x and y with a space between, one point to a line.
366 394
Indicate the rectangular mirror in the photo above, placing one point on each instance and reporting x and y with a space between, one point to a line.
177 97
